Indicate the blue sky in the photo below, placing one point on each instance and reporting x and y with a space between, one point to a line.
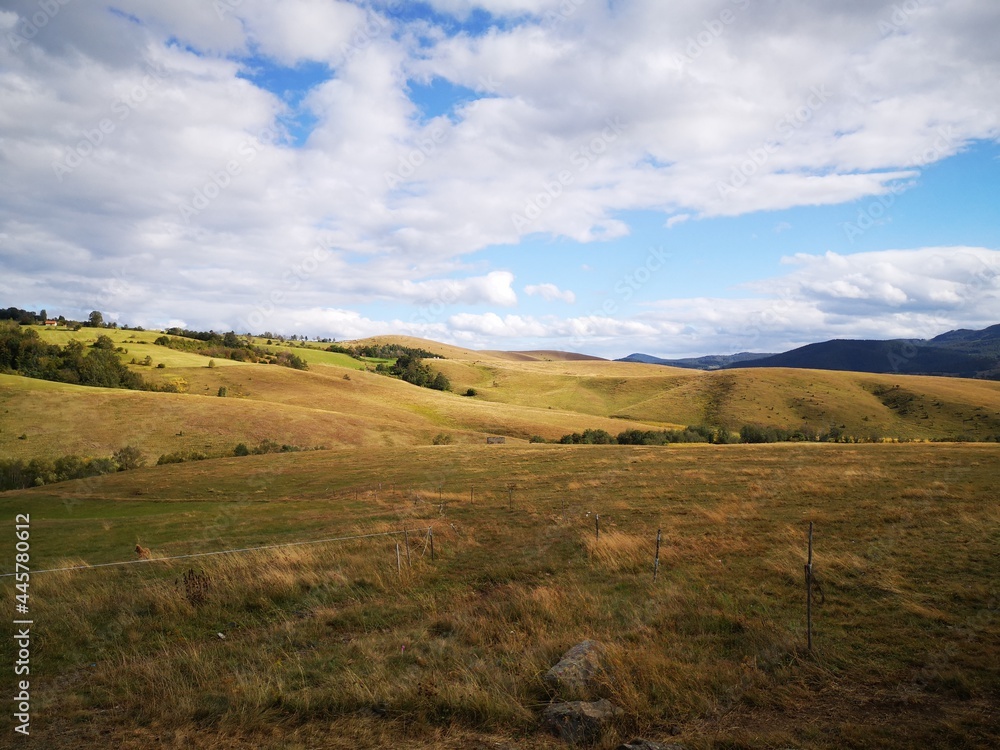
678 179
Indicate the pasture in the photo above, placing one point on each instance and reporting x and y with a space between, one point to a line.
332 645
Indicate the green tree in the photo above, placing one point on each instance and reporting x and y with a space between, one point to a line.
128 458
96 319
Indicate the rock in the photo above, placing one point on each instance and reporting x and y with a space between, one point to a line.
648 745
579 722
576 669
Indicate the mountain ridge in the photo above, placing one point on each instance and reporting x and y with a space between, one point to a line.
964 353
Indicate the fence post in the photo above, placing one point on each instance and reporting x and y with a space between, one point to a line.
399 567
597 527
656 558
406 541
432 543
809 588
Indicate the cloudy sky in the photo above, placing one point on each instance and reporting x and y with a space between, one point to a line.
678 178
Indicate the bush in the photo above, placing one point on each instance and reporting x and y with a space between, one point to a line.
442 439
589 437
537 439
472 392
241 450
223 391
128 458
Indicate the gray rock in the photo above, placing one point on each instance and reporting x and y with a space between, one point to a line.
576 669
578 722
648 745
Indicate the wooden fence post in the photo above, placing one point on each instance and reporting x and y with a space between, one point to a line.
809 588
406 542
597 527
399 567
656 558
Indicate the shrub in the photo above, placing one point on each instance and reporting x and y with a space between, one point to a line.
128 458
442 439
241 450
472 392
537 439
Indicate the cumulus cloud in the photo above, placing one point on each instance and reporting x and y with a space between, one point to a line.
550 293
889 294
150 169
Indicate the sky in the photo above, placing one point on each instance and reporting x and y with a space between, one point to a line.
606 176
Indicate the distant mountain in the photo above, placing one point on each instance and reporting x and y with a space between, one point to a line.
962 353
710 362
978 343
966 354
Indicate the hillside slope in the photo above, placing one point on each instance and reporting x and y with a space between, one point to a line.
338 403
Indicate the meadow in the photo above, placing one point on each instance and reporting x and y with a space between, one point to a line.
337 402
331 645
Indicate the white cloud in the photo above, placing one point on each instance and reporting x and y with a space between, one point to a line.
550 293
740 111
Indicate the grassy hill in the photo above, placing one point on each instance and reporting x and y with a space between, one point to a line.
337 402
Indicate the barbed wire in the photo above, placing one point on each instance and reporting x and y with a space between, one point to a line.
225 551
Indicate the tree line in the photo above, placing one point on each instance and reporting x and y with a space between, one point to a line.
382 351
22 352
227 346
19 474
750 434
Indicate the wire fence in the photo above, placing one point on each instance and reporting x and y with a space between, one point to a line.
144 561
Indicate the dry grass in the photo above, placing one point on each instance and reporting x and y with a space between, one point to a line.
517 398
329 638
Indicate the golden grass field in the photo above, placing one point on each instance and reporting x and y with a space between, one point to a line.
336 402
328 646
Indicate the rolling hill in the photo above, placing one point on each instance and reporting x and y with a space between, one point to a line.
709 362
337 402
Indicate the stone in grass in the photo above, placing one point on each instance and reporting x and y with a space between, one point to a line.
576 669
648 745
579 722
